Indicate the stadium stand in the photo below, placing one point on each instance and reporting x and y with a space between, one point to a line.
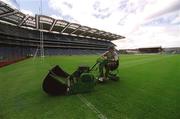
142 50
173 50
20 36
150 50
122 51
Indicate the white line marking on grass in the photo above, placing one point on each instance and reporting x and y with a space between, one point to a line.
91 106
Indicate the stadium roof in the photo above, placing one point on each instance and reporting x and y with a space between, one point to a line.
46 23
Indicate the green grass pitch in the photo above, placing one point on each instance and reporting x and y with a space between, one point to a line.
149 88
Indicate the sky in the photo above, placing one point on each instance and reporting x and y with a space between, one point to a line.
144 23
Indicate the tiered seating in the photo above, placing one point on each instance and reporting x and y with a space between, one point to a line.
15 36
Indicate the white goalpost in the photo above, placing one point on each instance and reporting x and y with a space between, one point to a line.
41 35
40 48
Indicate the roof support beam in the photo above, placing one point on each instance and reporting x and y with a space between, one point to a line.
66 27
85 31
25 19
52 26
75 30
8 13
1 5
37 21
104 34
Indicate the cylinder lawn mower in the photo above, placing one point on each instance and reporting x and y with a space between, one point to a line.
59 82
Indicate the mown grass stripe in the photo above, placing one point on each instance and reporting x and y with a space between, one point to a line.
131 63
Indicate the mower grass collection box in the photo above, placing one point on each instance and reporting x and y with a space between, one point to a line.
59 82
